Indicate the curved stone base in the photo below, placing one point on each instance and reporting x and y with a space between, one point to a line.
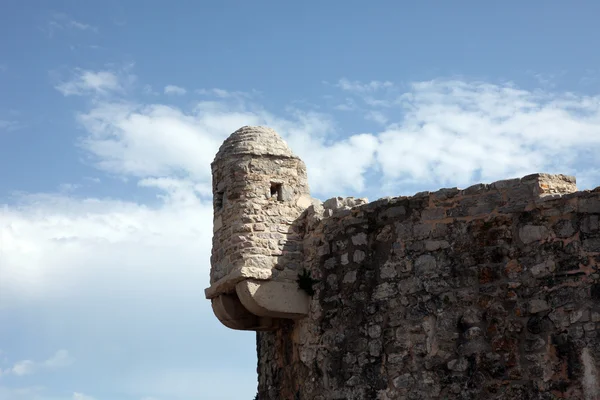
230 311
273 299
259 305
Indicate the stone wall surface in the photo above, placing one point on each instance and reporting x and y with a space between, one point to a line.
491 292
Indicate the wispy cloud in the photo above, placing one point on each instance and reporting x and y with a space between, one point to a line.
457 132
63 22
436 133
547 80
81 26
60 359
348 105
81 396
175 90
9 125
27 367
363 87
368 98
148 90
227 94
85 82
379 103
132 139
24 367
68 187
76 47
376 116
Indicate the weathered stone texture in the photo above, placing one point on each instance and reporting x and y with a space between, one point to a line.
259 188
492 292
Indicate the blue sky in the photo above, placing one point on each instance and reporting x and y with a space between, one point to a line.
111 112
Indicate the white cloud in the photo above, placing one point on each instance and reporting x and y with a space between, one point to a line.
455 132
82 26
547 80
175 90
9 125
148 90
378 103
158 140
362 87
437 133
376 116
348 105
24 367
87 82
46 243
329 170
81 396
75 47
227 94
68 187
114 277
62 22
27 367
92 179
60 359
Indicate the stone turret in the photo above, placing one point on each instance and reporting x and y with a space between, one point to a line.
260 189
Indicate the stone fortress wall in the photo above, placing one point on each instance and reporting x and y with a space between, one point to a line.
491 292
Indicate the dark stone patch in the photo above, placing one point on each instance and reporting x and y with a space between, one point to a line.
595 291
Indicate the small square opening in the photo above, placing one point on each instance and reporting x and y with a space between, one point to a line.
277 191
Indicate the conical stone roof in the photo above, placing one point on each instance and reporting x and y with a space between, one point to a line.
254 140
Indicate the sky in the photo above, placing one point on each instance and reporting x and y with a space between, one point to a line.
111 112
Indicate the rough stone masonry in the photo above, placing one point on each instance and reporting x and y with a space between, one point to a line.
490 292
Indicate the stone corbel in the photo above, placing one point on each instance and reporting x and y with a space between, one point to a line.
257 305
230 311
273 299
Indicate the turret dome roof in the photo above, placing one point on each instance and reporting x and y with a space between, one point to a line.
255 140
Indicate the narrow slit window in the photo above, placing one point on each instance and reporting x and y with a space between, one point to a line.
277 191
219 196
